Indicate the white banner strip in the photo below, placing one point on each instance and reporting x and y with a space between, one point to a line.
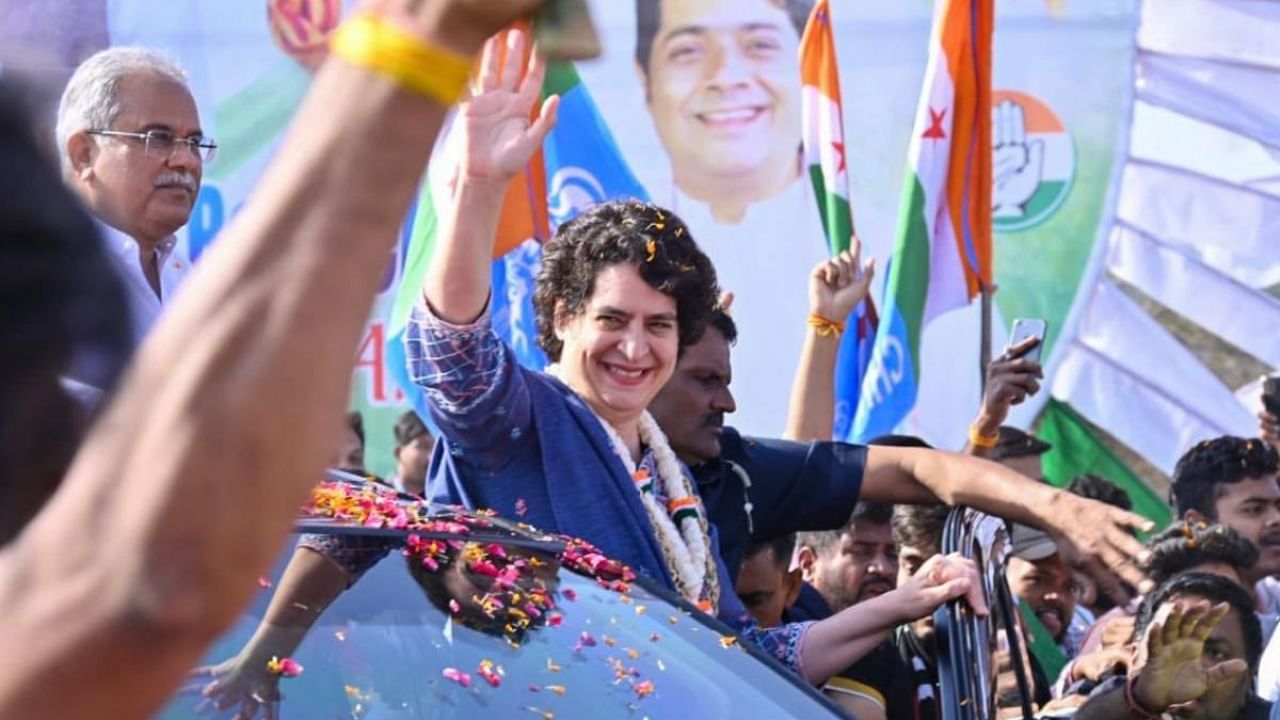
1232 229
1239 98
1241 31
1244 317
1168 137
1136 381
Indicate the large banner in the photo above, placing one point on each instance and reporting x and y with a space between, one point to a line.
703 100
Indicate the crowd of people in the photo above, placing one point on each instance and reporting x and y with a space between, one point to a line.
135 404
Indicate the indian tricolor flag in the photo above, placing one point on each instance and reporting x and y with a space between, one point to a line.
823 119
942 253
824 154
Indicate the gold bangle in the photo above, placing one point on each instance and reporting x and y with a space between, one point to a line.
374 44
978 440
825 327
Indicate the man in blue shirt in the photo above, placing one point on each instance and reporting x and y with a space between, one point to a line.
756 489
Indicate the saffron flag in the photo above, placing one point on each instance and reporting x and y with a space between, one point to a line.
822 115
942 252
578 166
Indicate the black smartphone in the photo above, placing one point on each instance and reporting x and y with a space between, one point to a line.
1271 394
1024 328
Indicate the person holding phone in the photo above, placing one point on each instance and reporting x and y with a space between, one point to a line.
1269 418
1012 377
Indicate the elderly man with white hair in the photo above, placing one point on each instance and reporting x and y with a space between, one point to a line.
131 147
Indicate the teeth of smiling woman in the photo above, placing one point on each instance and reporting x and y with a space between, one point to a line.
630 374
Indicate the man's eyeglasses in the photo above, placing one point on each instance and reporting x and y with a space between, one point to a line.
160 143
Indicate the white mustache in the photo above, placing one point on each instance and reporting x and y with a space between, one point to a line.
173 177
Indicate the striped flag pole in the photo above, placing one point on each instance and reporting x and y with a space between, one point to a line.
942 252
824 155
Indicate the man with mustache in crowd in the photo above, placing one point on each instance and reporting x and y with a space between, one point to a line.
842 568
1040 578
1232 481
852 564
131 147
756 489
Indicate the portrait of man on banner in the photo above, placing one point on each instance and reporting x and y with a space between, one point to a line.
721 83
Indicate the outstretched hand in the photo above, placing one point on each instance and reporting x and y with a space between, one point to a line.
837 285
1098 538
245 686
496 135
1173 675
939 579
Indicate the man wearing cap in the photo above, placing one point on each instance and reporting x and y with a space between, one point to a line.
1043 583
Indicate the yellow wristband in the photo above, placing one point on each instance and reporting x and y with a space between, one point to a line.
978 440
374 44
825 327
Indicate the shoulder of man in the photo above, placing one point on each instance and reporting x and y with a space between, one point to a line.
882 676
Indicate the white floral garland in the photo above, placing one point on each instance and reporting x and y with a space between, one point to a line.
687 550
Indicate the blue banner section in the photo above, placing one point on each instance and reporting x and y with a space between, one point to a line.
852 362
583 164
889 389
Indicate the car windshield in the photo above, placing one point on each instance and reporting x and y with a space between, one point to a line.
468 639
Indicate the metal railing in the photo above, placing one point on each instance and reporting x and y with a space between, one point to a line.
964 641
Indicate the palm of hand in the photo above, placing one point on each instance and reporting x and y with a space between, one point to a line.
234 685
495 130
1175 674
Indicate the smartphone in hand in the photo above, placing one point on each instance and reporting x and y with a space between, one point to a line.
1271 395
1024 328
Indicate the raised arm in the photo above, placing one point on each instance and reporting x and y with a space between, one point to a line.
836 286
1011 379
494 140
187 486
1098 535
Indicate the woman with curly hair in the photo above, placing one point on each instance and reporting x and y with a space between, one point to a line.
622 289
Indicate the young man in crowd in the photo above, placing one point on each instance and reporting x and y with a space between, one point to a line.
1199 642
1232 481
1178 549
349 455
1042 582
854 563
413 454
767 584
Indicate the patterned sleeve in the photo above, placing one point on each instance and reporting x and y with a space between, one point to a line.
476 391
782 643
353 554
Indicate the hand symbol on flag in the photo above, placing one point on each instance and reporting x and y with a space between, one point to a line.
1016 163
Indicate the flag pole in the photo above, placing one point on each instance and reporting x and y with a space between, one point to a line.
984 347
